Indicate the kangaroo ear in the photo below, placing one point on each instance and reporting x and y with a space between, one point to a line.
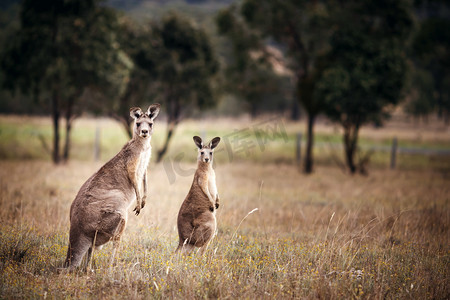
153 110
198 142
135 112
214 142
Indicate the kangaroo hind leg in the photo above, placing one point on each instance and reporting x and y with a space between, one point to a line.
78 246
116 240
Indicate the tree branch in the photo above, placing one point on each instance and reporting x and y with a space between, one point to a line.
298 44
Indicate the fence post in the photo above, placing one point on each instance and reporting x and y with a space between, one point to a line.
393 153
298 148
97 143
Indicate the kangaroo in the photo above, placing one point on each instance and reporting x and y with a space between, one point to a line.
99 212
197 216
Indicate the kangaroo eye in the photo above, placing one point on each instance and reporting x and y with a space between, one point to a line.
138 124
151 125
210 153
202 153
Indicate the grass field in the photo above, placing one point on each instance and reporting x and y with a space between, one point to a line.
328 235
21 138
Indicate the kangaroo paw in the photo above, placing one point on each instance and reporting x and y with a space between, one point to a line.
137 209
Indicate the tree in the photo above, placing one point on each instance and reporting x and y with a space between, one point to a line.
299 27
421 100
61 48
430 51
367 65
136 42
94 60
174 64
183 65
249 73
184 70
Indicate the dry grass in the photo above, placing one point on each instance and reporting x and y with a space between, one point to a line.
328 235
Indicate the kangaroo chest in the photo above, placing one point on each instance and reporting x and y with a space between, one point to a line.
144 159
212 184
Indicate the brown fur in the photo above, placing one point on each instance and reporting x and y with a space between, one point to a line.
100 209
196 218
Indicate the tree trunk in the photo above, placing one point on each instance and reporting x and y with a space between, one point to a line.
125 104
295 111
308 167
125 121
349 157
55 93
350 145
55 116
163 150
69 120
305 92
439 104
253 110
127 125
173 111
123 115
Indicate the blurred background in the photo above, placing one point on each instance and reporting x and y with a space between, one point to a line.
351 83
333 169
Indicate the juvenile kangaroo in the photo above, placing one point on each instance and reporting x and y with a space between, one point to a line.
99 211
197 215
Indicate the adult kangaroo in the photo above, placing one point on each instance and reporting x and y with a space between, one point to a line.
99 212
197 216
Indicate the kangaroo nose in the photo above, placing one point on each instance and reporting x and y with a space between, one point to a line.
144 131
206 159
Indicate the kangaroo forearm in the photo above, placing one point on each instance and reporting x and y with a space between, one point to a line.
144 186
136 189
203 184
144 183
138 195
205 190
138 207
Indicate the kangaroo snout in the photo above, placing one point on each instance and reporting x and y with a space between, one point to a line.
144 131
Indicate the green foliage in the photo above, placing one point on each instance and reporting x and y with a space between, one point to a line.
175 57
421 100
367 65
185 61
69 46
180 62
430 51
249 73
301 29
431 44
